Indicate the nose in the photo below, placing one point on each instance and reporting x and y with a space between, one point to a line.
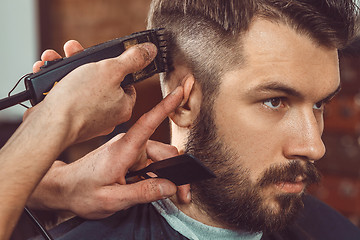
303 139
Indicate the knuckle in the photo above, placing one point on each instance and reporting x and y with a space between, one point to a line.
105 202
108 69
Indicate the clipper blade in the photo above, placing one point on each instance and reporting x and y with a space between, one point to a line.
161 63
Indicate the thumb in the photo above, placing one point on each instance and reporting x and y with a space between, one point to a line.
133 59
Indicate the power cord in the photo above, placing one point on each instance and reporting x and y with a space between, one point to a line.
38 225
14 99
17 98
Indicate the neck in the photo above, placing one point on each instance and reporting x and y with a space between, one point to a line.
191 209
195 211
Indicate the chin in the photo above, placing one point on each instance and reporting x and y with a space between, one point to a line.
283 203
279 212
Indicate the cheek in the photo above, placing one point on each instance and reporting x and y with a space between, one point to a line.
255 140
320 121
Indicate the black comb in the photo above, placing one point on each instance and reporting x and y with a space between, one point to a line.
182 169
38 84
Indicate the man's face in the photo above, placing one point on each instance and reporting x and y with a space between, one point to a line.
267 121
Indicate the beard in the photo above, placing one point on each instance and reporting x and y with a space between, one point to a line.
231 198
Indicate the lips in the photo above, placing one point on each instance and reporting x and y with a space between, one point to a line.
296 186
291 187
291 178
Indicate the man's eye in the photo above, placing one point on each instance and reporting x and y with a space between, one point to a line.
318 105
273 103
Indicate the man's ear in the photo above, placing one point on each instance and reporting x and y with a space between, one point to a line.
187 112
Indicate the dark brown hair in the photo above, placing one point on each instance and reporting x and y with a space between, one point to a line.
202 32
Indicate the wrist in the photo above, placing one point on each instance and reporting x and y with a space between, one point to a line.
56 122
49 194
67 117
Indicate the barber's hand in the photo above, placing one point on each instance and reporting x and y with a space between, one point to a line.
95 187
71 47
90 99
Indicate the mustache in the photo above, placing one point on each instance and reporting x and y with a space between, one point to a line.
289 173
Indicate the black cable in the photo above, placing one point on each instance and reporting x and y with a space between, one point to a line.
38 225
14 99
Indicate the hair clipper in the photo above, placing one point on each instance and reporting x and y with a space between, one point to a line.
40 83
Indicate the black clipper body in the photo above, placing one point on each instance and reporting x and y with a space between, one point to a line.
53 71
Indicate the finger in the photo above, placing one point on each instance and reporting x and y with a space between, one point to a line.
47 55
37 65
184 194
72 47
158 151
140 162
141 192
26 113
50 55
116 138
141 131
132 60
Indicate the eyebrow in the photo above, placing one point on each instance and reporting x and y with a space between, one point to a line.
331 95
280 87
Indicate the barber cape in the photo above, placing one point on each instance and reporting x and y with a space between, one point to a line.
156 221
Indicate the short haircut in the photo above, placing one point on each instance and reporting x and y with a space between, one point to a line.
351 50
203 32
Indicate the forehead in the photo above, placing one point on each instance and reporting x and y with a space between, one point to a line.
274 52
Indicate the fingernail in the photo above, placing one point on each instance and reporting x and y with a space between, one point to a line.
150 49
165 190
188 196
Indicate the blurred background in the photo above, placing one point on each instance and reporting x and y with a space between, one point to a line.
31 26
